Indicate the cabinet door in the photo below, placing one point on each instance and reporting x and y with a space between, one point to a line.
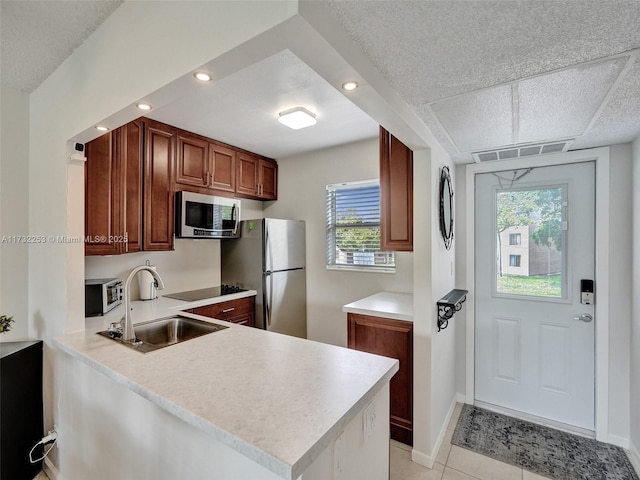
247 175
268 180
103 199
132 147
158 193
390 338
192 165
396 194
222 161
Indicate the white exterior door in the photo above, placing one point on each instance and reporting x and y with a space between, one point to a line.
534 243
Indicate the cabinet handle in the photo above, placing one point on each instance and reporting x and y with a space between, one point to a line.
227 310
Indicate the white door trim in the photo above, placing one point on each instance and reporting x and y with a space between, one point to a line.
601 158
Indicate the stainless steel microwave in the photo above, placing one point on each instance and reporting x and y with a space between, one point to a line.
206 216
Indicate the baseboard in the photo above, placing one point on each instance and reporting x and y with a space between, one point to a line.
461 398
51 470
618 441
634 457
422 458
428 460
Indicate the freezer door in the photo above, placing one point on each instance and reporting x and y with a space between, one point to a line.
285 302
284 244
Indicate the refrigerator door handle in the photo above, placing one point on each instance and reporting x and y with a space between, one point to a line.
268 296
268 254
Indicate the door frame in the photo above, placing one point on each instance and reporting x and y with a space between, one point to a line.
601 158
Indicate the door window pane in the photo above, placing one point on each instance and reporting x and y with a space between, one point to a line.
530 241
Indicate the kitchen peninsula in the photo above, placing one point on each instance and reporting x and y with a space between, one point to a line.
240 403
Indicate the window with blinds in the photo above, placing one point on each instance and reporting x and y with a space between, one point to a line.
353 227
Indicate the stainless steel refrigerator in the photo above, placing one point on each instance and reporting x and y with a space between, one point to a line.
269 257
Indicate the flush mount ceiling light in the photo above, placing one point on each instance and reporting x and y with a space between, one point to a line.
101 128
202 76
348 86
143 106
297 118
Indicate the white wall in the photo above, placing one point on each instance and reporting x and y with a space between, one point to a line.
14 209
434 276
620 271
301 196
635 312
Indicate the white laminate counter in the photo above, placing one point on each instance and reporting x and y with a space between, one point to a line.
398 306
278 400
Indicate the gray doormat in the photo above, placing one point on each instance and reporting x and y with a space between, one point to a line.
542 450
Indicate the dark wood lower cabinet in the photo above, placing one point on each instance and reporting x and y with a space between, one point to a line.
240 311
390 338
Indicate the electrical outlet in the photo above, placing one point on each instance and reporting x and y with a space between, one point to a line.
369 420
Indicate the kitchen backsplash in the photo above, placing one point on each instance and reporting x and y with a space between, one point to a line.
193 264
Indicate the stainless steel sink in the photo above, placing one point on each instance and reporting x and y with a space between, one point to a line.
163 332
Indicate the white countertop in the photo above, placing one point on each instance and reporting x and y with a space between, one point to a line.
398 306
276 399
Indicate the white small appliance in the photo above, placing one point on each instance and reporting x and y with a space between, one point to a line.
147 284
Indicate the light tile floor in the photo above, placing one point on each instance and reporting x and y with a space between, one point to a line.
453 463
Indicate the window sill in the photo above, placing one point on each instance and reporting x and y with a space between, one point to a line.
362 269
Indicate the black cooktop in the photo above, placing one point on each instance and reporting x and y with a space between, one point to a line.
211 292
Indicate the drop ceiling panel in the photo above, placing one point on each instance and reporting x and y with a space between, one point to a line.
242 109
562 104
478 121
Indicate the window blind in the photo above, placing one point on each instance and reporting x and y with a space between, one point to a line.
353 226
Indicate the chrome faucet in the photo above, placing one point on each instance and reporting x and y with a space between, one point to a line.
127 331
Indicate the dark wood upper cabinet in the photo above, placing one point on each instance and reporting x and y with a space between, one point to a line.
256 177
160 148
210 167
222 165
394 339
192 161
103 196
268 179
113 192
132 156
396 194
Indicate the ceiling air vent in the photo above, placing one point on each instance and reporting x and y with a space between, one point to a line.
523 151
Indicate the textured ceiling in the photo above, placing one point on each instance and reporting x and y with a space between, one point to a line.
430 51
37 36
479 74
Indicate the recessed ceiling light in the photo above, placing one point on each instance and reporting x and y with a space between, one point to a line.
348 86
101 128
202 76
297 118
143 106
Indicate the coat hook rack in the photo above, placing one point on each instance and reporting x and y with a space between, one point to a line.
448 305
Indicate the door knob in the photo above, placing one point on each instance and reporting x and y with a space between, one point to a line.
585 317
